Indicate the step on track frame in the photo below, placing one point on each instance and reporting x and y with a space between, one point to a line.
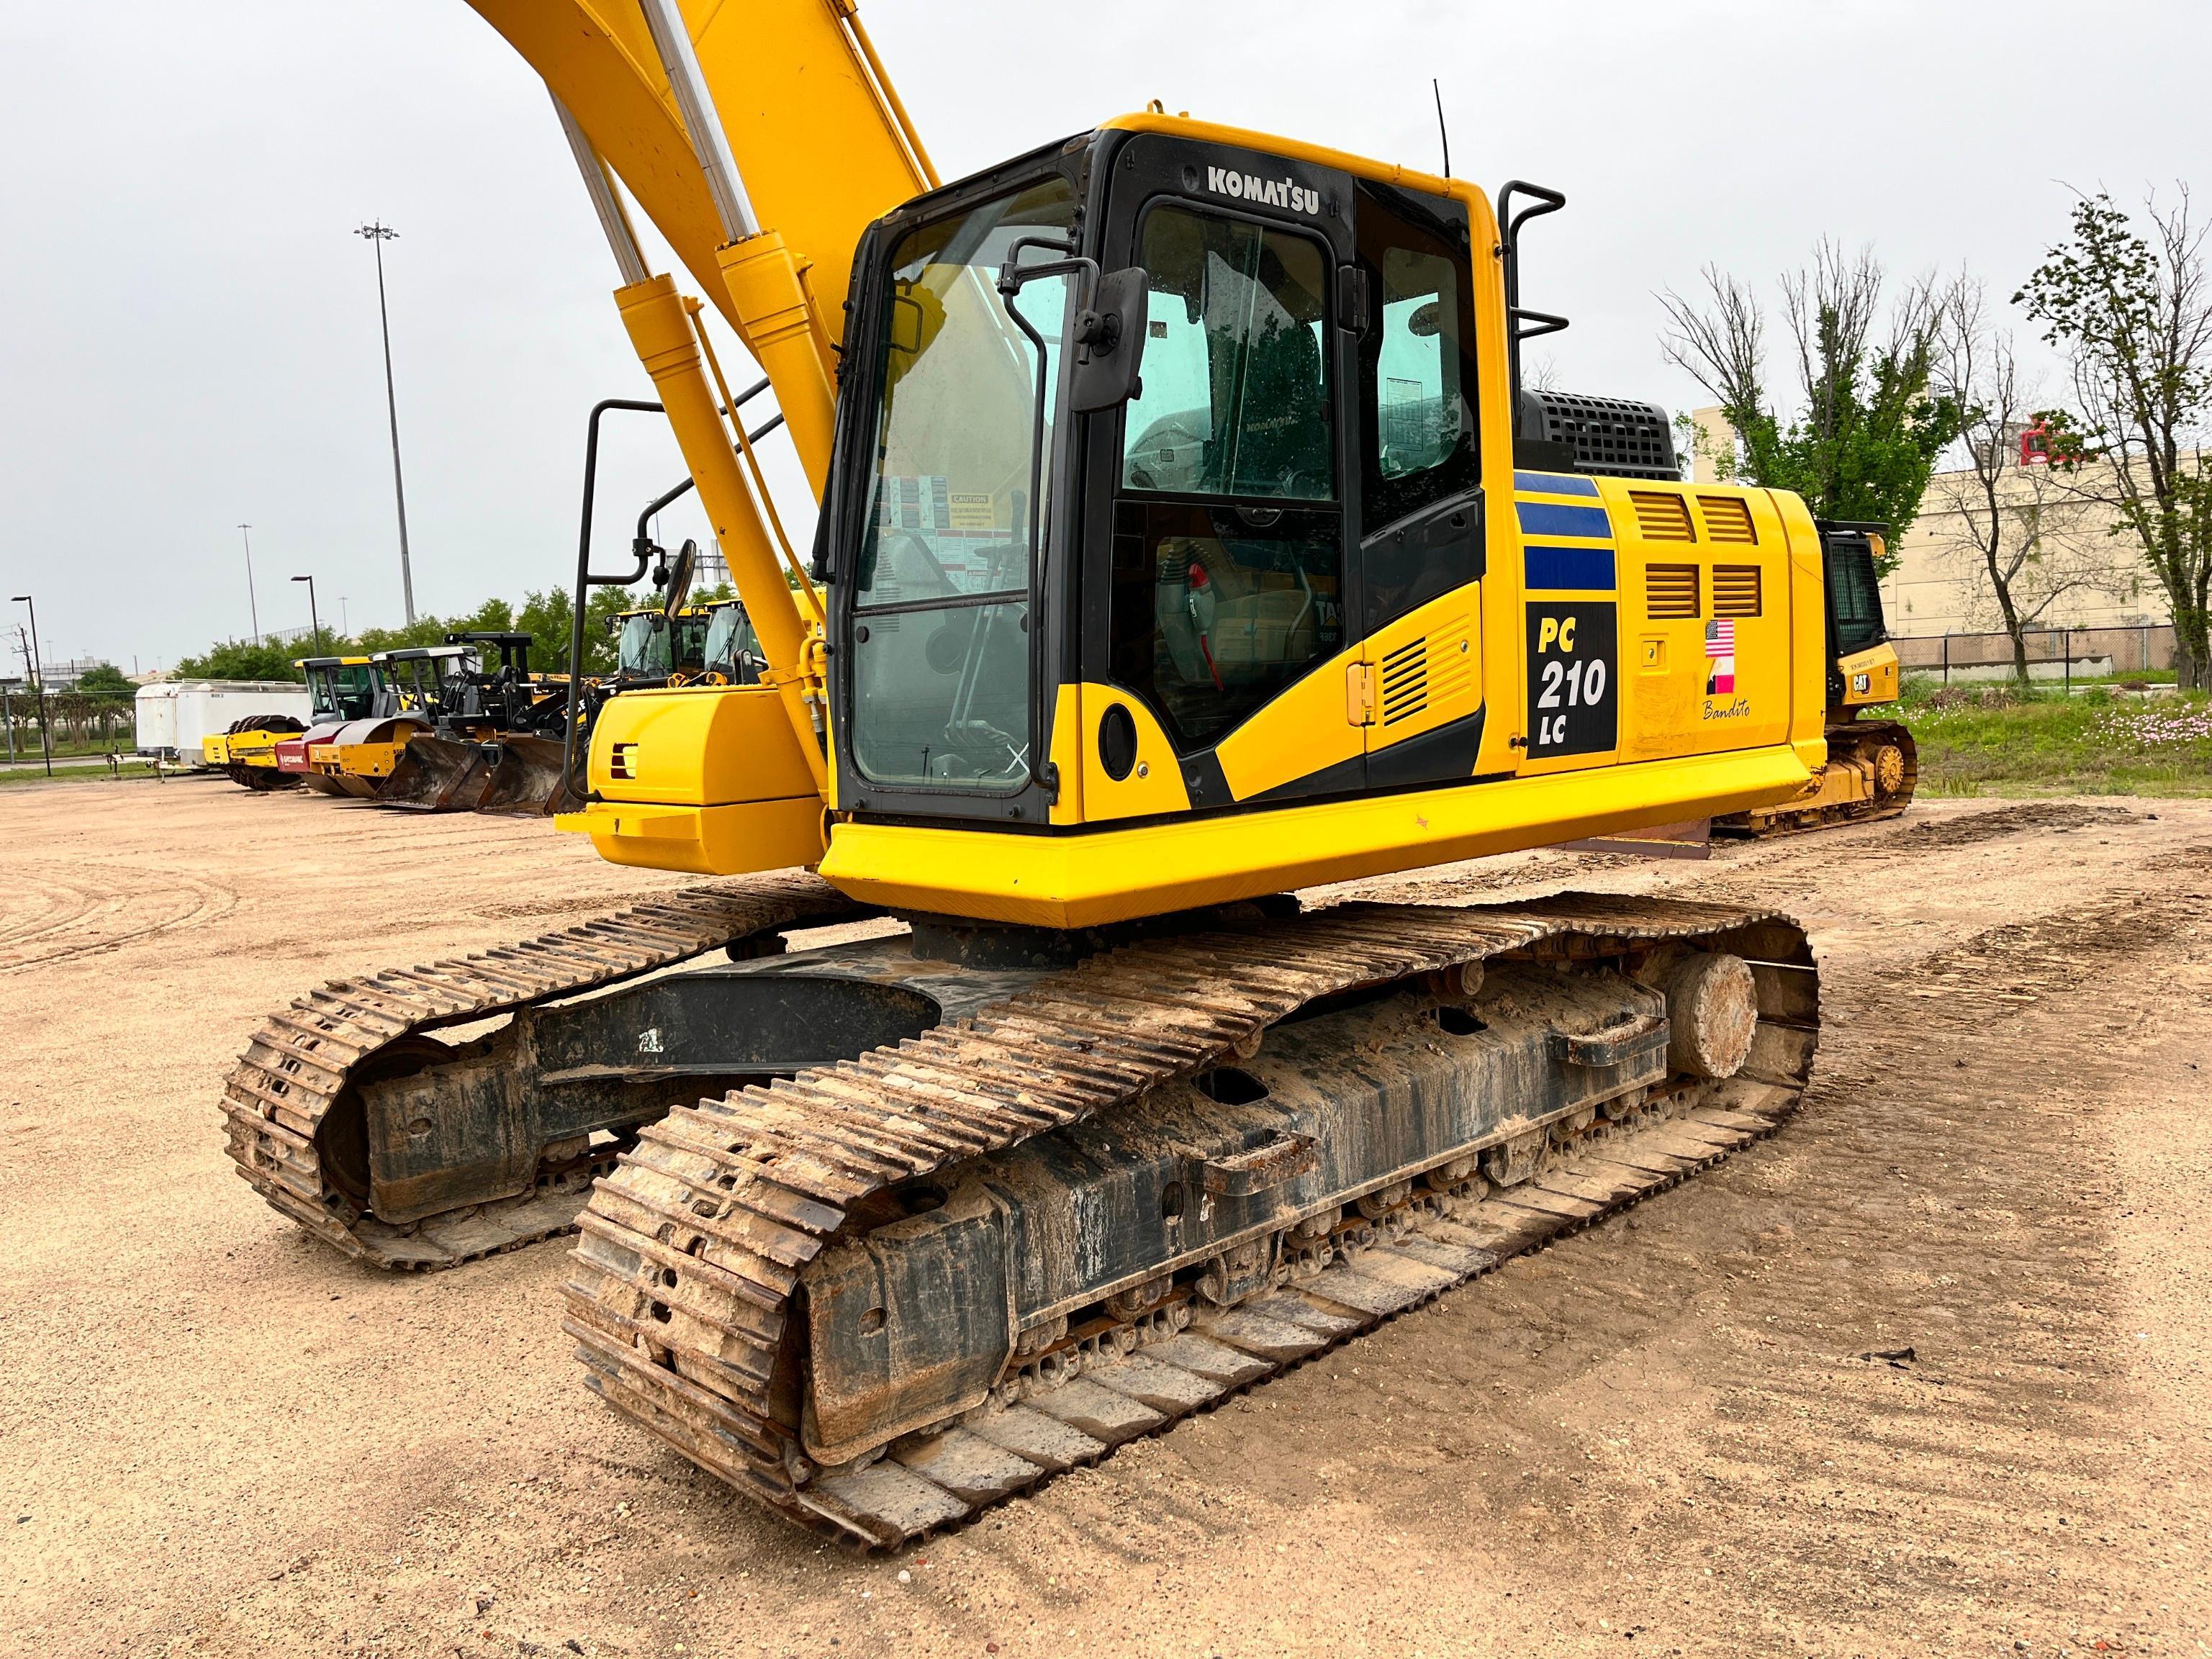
304 1059
682 1300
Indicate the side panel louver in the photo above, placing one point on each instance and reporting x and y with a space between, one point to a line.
1406 682
1670 590
1735 590
1662 517
1728 518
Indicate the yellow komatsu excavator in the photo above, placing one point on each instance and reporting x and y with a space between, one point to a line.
1185 539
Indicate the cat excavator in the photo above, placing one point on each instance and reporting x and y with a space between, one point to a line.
1185 539
1873 764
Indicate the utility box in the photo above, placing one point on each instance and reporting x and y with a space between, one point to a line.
172 716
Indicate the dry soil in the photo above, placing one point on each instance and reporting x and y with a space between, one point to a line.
1676 1433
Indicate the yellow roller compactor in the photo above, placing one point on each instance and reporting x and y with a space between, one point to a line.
1185 540
361 755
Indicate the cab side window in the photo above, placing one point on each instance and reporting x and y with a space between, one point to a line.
1416 354
1235 395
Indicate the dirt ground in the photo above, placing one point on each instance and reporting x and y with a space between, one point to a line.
1671 1434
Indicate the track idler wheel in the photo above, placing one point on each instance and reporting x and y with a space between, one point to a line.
1712 1013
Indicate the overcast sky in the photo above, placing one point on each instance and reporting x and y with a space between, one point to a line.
191 327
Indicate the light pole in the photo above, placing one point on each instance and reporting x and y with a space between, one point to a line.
345 618
45 737
313 616
379 233
253 604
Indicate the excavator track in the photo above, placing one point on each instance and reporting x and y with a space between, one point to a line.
305 1058
690 1299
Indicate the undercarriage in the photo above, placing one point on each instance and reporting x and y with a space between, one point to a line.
886 1230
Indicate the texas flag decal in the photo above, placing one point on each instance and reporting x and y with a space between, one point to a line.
1720 657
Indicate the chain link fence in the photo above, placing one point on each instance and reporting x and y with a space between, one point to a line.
2052 653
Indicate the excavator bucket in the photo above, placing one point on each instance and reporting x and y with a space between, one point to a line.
525 781
437 774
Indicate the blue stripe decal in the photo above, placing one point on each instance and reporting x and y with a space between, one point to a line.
1550 519
1554 483
1583 569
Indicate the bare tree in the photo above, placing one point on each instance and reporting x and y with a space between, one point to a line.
1867 426
2022 529
2134 314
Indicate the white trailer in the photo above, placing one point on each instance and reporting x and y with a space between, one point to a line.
174 716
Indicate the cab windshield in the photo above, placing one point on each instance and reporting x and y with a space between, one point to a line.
688 647
641 647
731 642
940 636
342 690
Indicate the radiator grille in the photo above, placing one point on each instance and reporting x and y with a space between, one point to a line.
1662 517
1728 518
1670 590
1735 590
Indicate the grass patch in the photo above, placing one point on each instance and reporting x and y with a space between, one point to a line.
1993 739
37 773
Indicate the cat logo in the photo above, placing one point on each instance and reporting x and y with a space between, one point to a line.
1862 683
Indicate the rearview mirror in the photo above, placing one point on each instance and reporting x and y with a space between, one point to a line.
1109 340
679 578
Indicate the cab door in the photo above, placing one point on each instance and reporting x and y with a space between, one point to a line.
1417 687
1221 499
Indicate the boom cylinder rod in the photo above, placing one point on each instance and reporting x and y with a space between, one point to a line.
725 186
614 218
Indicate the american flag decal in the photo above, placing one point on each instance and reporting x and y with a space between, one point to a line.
1720 656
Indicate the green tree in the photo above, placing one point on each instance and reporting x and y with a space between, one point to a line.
545 617
1868 424
105 679
2134 313
425 630
242 659
102 697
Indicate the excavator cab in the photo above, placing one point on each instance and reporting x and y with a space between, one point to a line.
1176 478
1202 406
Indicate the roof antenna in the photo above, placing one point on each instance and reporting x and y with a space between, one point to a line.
1442 131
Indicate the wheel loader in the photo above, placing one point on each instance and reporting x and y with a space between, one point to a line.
495 745
1187 539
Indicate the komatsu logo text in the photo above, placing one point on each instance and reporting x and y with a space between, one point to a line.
1266 192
